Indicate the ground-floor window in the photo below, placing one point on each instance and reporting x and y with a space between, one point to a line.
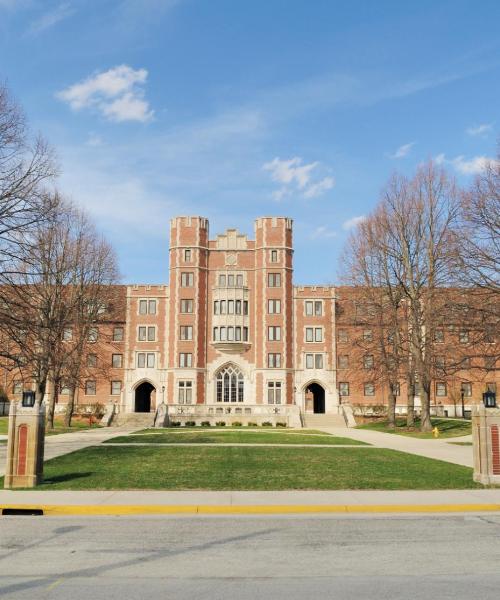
369 389
229 385
274 392
185 392
441 388
344 388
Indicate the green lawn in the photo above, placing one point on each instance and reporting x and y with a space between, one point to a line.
277 430
78 425
251 468
232 436
447 428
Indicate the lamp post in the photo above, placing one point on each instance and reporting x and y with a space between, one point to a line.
163 394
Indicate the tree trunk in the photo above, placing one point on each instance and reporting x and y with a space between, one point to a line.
391 408
70 407
51 407
425 419
410 401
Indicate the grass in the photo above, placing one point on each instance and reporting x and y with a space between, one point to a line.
224 429
250 468
447 428
232 436
461 443
77 425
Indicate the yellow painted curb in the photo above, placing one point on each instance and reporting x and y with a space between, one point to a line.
152 509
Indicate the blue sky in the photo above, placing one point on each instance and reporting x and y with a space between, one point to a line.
234 109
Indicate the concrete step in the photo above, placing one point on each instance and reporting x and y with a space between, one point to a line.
323 420
139 420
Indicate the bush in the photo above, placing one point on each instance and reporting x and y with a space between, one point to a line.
190 423
221 423
175 423
205 423
236 424
251 424
281 425
267 424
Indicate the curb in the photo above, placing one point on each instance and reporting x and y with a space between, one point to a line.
207 509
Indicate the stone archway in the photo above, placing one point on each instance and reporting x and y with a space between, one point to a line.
143 397
315 397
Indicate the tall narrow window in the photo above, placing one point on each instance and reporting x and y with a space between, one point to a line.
274 392
187 305
187 255
229 385
185 392
274 280
187 279
274 256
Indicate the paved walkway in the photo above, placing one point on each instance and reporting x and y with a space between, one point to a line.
439 449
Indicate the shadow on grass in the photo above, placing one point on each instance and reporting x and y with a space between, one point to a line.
67 477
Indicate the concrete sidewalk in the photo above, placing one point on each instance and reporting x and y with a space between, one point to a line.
196 502
439 449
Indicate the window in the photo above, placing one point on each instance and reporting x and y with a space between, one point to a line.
343 388
216 307
147 307
396 388
187 279
309 361
185 392
274 361
342 336
146 334
152 307
185 359
274 392
145 359
186 305
274 333
68 334
118 334
187 255
93 334
116 388
90 387
229 385
274 256
441 389
274 280
491 386
314 334
65 389
440 363
245 307
463 336
222 305
368 361
222 281
117 361
91 360
230 281
216 334
369 389
314 308
343 361
274 307
314 361
17 387
489 363
466 389
245 334
230 307
368 335
239 280
237 307
186 332
439 336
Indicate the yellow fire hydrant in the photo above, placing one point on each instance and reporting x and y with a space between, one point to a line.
435 432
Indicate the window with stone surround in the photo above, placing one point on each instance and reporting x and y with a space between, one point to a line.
116 388
185 359
118 334
343 388
369 389
117 361
274 360
187 305
441 389
186 332
274 392
187 279
274 307
274 333
185 392
274 280
90 387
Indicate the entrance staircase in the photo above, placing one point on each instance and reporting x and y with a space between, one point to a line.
139 420
313 421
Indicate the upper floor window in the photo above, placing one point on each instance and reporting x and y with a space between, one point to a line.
369 389
463 336
441 388
343 388
117 361
274 360
187 305
187 279
489 362
93 334
314 361
274 256
274 307
90 387
186 332
118 334
185 359
146 334
222 281
274 279
314 334
274 333
343 361
147 307
368 335
91 360
314 308
145 360
342 336
368 361
116 388
187 255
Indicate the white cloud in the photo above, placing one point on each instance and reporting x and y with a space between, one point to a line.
116 93
51 18
353 222
465 167
402 151
296 176
323 232
480 129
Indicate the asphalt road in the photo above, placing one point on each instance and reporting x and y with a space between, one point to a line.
242 558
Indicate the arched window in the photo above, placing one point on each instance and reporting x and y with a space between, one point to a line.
229 384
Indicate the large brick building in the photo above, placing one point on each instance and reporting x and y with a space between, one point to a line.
231 335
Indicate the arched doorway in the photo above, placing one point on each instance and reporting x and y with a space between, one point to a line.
143 397
315 393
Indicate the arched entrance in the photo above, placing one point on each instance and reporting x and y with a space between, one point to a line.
143 397
315 396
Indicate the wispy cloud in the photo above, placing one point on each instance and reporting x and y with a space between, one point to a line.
51 18
463 166
323 232
117 94
353 222
294 175
480 129
403 150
